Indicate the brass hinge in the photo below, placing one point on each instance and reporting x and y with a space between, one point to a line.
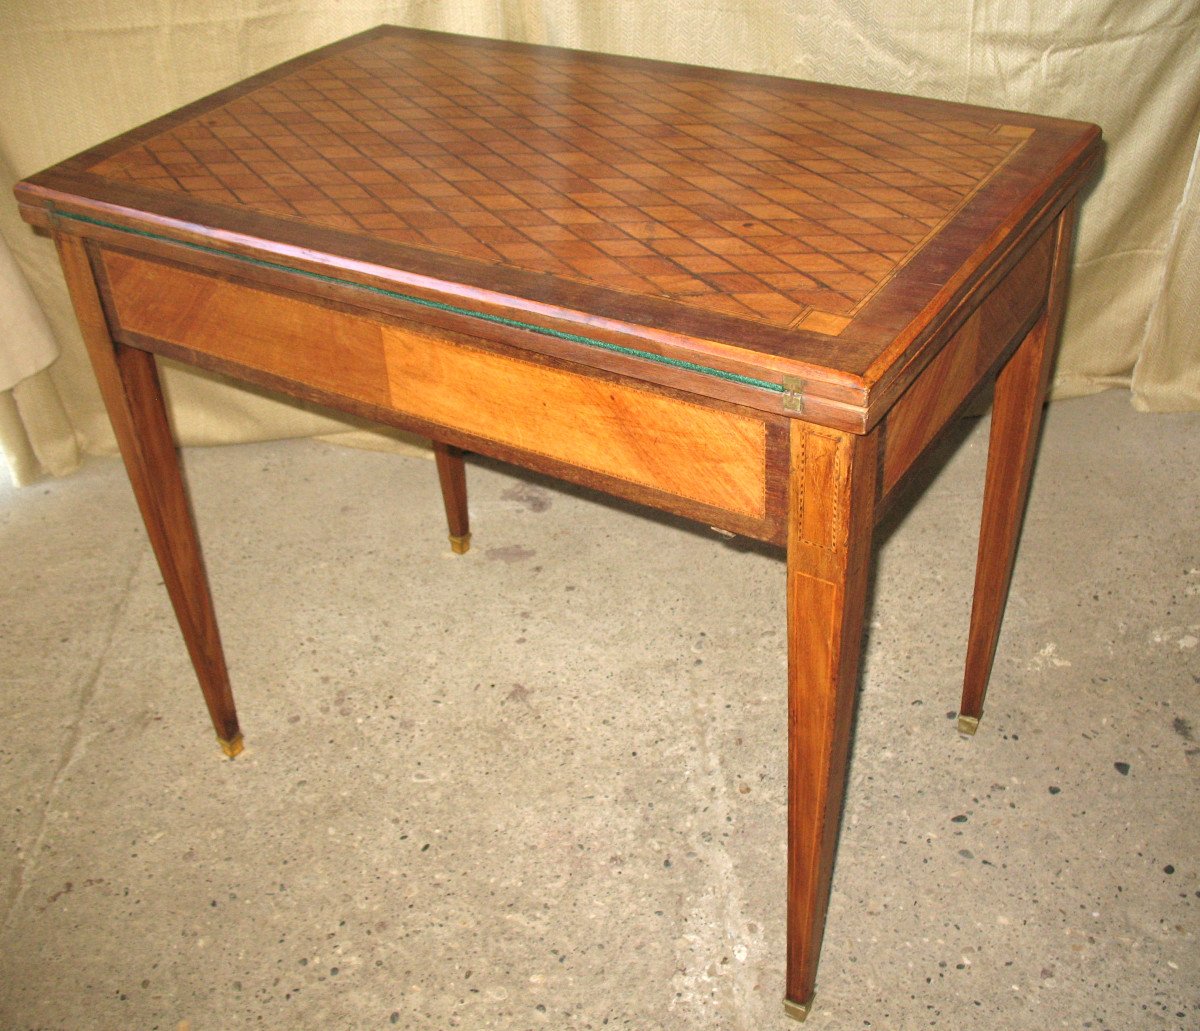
793 394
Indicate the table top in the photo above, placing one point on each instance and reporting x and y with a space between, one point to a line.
736 226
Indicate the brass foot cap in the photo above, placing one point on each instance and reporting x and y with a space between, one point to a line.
968 725
460 545
798 1011
233 747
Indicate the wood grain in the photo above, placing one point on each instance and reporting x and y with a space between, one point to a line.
714 457
128 381
710 456
740 224
937 395
833 486
508 155
742 299
452 475
317 345
1016 422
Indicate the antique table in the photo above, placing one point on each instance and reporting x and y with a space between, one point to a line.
750 301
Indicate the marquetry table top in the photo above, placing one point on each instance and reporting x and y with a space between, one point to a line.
737 222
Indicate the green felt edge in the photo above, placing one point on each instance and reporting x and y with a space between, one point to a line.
499 320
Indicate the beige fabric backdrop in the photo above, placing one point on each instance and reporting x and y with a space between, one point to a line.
74 73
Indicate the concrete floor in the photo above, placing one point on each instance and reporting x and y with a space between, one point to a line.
542 786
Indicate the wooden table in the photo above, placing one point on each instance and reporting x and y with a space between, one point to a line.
750 301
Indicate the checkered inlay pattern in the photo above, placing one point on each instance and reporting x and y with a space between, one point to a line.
658 181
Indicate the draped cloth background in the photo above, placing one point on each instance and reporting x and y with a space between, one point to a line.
74 73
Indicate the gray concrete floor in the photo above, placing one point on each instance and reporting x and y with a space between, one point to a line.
542 786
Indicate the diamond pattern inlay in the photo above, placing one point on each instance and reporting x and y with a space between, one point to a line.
762 204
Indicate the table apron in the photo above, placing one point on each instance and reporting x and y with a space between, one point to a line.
966 362
701 458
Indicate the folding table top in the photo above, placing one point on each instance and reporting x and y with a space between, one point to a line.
736 225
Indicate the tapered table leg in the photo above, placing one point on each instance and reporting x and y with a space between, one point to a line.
1016 420
832 507
132 394
453 477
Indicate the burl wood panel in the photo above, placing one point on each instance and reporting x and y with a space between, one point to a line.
938 393
712 456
